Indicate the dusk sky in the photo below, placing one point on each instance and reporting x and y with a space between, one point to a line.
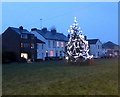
97 19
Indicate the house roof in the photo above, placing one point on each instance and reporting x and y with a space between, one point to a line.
110 45
20 31
39 41
53 35
92 41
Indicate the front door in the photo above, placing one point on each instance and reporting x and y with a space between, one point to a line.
56 53
46 54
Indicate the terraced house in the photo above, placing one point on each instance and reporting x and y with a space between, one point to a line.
41 44
20 43
34 45
54 46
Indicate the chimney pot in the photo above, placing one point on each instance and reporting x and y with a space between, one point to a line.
44 29
21 27
33 29
53 30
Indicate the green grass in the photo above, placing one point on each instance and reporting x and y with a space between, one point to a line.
57 78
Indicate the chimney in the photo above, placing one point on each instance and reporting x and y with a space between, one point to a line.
21 27
33 29
44 29
68 36
85 37
53 31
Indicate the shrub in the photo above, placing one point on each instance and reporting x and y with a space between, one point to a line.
8 57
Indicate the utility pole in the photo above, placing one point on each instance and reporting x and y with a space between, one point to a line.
41 23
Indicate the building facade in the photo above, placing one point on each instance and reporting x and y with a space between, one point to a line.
54 46
20 42
43 44
95 46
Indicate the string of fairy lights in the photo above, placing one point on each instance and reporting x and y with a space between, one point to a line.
77 46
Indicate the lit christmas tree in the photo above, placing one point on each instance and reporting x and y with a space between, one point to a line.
77 46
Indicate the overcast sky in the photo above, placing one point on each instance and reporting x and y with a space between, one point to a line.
98 20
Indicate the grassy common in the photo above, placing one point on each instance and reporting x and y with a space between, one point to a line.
58 78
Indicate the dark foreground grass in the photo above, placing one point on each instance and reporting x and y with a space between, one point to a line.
57 78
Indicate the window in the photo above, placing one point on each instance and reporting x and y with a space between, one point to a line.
32 56
58 44
46 53
42 55
26 45
32 45
51 53
98 53
49 43
32 36
21 45
60 53
24 36
98 46
42 46
37 45
53 44
56 53
62 44
24 55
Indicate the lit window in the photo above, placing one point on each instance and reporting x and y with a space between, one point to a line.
24 55
62 44
58 44
21 45
32 45
51 53
46 51
24 36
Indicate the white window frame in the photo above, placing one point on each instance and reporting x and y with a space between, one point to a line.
58 44
62 44
51 53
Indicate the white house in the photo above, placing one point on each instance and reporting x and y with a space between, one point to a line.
95 46
54 43
40 47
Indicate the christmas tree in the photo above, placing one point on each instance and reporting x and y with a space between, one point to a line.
77 46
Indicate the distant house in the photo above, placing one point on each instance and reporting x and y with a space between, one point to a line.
54 46
95 46
111 49
20 42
